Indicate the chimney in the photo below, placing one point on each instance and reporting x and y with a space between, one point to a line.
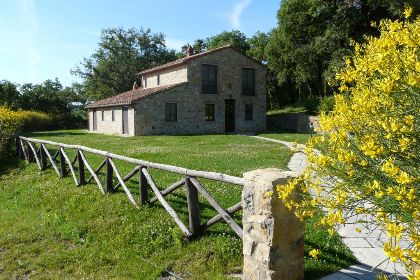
135 85
190 51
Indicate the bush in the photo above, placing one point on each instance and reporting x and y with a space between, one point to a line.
365 165
10 125
36 121
326 104
311 103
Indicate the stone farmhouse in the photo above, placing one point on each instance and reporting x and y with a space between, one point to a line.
218 91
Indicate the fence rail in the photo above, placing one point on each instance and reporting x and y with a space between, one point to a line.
27 149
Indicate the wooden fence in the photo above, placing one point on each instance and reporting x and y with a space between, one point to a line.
27 149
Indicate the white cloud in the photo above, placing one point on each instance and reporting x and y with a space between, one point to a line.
175 44
235 15
30 26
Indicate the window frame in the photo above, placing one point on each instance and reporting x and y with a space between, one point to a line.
113 115
102 115
211 109
249 112
171 115
209 88
248 90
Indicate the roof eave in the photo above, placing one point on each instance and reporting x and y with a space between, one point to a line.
149 71
93 106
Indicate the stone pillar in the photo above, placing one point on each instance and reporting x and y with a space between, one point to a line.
273 236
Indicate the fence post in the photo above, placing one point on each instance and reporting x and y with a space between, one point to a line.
108 178
18 148
273 236
81 168
30 153
42 157
143 185
193 206
63 170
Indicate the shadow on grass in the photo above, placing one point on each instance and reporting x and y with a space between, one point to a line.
54 133
9 164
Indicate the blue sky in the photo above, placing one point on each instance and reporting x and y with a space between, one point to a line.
44 39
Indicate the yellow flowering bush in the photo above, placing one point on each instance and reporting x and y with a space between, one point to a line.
12 123
34 121
364 166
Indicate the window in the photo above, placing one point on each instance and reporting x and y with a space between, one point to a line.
145 82
209 79
209 112
248 81
113 115
158 79
170 112
248 112
103 115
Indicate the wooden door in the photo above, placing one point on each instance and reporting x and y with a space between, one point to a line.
229 115
125 120
94 125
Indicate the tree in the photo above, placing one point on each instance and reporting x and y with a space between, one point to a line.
235 38
364 166
44 97
121 55
258 51
9 94
198 46
313 36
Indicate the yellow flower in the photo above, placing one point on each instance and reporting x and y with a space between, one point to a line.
403 178
408 11
404 143
314 253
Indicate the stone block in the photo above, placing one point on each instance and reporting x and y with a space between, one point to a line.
273 236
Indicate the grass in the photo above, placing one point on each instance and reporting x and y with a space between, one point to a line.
289 109
49 228
299 138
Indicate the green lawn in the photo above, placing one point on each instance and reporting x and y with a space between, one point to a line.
49 228
299 138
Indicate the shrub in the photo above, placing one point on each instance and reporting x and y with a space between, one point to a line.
365 164
311 104
10 125
35 121
326 104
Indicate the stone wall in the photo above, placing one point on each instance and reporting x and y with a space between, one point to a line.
108 126
294 122
167 76
273 239
150 111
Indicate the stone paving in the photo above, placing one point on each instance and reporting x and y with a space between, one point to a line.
366 245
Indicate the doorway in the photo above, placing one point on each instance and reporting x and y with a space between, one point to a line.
229 115
125 120
94 120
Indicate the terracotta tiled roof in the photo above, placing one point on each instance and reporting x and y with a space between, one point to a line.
188 58
131 96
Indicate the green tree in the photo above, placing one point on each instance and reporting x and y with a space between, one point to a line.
44 97
313 36
235 38
198 46
9 94
121 55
